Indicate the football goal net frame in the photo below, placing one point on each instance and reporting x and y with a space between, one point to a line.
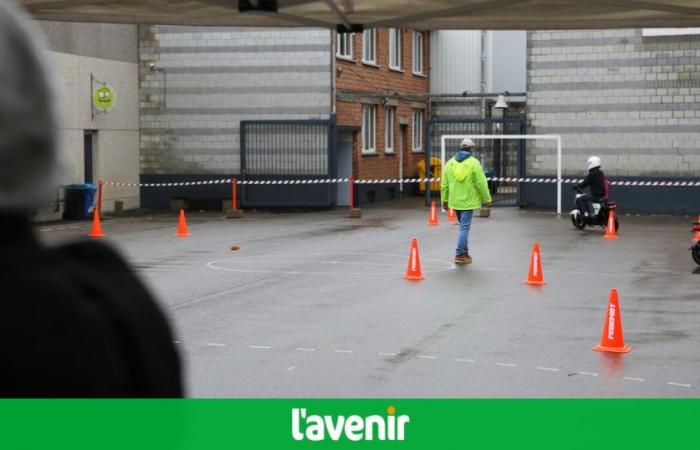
544 137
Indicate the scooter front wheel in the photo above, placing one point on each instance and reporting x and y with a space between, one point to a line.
578 221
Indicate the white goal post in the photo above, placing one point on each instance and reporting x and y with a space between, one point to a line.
554 137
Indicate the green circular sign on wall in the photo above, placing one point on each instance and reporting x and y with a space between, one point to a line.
104 97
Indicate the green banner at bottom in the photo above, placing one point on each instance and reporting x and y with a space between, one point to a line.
352 424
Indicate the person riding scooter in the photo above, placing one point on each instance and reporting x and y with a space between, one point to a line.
596 181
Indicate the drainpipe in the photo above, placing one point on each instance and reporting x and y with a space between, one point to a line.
333 74
482 83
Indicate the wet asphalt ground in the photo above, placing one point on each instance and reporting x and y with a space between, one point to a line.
314 305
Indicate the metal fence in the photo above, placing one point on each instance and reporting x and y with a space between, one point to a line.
499 157
288 150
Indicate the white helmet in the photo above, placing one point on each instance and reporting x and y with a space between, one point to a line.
28 123
466 143
593 162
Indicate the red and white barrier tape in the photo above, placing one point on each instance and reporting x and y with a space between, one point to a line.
396 181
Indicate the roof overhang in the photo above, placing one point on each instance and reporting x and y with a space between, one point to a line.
415 14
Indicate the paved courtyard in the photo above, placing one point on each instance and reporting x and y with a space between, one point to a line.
313 304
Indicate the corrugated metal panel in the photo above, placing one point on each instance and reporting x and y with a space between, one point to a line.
509 61
454 61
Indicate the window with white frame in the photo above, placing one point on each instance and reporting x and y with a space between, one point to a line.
389 114
417 130
395 48
369 46
369 128
344 46
418 53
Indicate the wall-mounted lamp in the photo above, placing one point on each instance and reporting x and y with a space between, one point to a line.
501 103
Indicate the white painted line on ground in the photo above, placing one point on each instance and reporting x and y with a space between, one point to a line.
464 360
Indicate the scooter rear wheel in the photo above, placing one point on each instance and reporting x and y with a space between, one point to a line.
696 254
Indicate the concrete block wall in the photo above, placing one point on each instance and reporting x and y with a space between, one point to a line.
629 98
216 77
455 108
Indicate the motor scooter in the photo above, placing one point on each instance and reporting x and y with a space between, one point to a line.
695 247
581 219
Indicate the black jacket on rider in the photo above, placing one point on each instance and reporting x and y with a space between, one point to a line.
596 180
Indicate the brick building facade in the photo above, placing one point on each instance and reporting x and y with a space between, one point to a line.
383 126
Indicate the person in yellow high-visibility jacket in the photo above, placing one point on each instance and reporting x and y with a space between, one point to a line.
464 189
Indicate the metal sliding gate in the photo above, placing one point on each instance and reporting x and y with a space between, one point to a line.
499 157
288 150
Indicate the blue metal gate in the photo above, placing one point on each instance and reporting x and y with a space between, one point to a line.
288 150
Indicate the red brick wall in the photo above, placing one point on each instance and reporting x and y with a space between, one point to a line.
354 76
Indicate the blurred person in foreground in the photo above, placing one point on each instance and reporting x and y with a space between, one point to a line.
464 189
74 320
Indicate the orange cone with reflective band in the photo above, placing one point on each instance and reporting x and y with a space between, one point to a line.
433 219
182 226
451 215
96 226
534 275
610 231
413 271
612 339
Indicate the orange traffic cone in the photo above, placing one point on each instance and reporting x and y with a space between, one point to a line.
413 271
96 226
182 226
612 339
433 219
451 216
534 275
610 231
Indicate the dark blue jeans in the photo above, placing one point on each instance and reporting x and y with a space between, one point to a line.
465 224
